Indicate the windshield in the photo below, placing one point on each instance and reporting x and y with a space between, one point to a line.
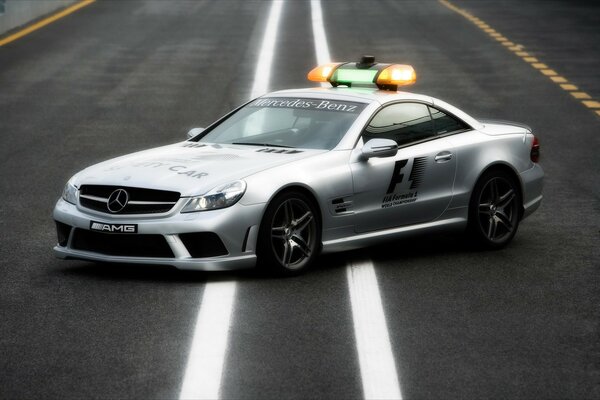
287 122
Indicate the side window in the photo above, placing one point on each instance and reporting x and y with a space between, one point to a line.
403 122
443 123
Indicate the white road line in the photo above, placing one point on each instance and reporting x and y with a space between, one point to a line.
205 362
204 370
320 39
318 28
377 366
262 76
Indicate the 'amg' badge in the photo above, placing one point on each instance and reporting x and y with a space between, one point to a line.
113 228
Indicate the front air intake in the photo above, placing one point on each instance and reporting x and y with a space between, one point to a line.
121 244
203 244
63 231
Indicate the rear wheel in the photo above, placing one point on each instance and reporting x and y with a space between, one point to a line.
494 209
290 234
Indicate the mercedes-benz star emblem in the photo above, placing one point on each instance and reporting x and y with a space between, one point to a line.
117 200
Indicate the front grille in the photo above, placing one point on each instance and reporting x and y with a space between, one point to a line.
140 201
203 244
116 244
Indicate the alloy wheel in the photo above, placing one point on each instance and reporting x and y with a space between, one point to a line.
293 233
498 209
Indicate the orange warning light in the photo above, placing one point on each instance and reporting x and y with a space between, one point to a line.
322 73
397 74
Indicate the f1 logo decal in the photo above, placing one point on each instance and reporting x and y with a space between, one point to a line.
417 170
397 176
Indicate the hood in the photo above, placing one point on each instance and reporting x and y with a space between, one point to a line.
189 168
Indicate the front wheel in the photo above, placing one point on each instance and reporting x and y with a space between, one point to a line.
290 234
494 210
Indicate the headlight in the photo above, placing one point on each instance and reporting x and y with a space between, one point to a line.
70 193
220 197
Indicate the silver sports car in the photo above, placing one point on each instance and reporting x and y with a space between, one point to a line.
295 173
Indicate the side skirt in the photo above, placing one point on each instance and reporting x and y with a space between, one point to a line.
370 238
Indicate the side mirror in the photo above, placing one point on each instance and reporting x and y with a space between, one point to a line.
379 148
194 132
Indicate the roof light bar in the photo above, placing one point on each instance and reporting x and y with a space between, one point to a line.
322 73
365 73
397 74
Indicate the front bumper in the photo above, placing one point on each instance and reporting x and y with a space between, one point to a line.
236 227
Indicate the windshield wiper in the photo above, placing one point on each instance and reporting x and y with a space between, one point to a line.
263 144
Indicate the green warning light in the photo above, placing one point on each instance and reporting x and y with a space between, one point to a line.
354 75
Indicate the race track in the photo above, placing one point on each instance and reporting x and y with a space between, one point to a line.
121 76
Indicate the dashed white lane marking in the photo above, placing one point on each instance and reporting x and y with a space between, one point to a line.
204 370
262 76
320 39
377 365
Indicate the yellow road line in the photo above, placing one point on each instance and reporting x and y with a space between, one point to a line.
591 103
568 86
548 72
581 95
519 50
45 21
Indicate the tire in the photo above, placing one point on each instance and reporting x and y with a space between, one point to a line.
494 210
289 238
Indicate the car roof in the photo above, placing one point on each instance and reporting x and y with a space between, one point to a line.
360 94
370 95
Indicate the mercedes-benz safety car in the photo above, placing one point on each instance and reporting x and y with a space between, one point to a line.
296 173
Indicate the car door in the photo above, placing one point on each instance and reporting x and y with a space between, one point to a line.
415 185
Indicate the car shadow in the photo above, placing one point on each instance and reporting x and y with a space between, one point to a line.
418 247
148 273
422 246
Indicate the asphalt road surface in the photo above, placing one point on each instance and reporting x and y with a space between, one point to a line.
117 77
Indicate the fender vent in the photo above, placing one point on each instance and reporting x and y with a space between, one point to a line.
342 205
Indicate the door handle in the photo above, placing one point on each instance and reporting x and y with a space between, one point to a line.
442 157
